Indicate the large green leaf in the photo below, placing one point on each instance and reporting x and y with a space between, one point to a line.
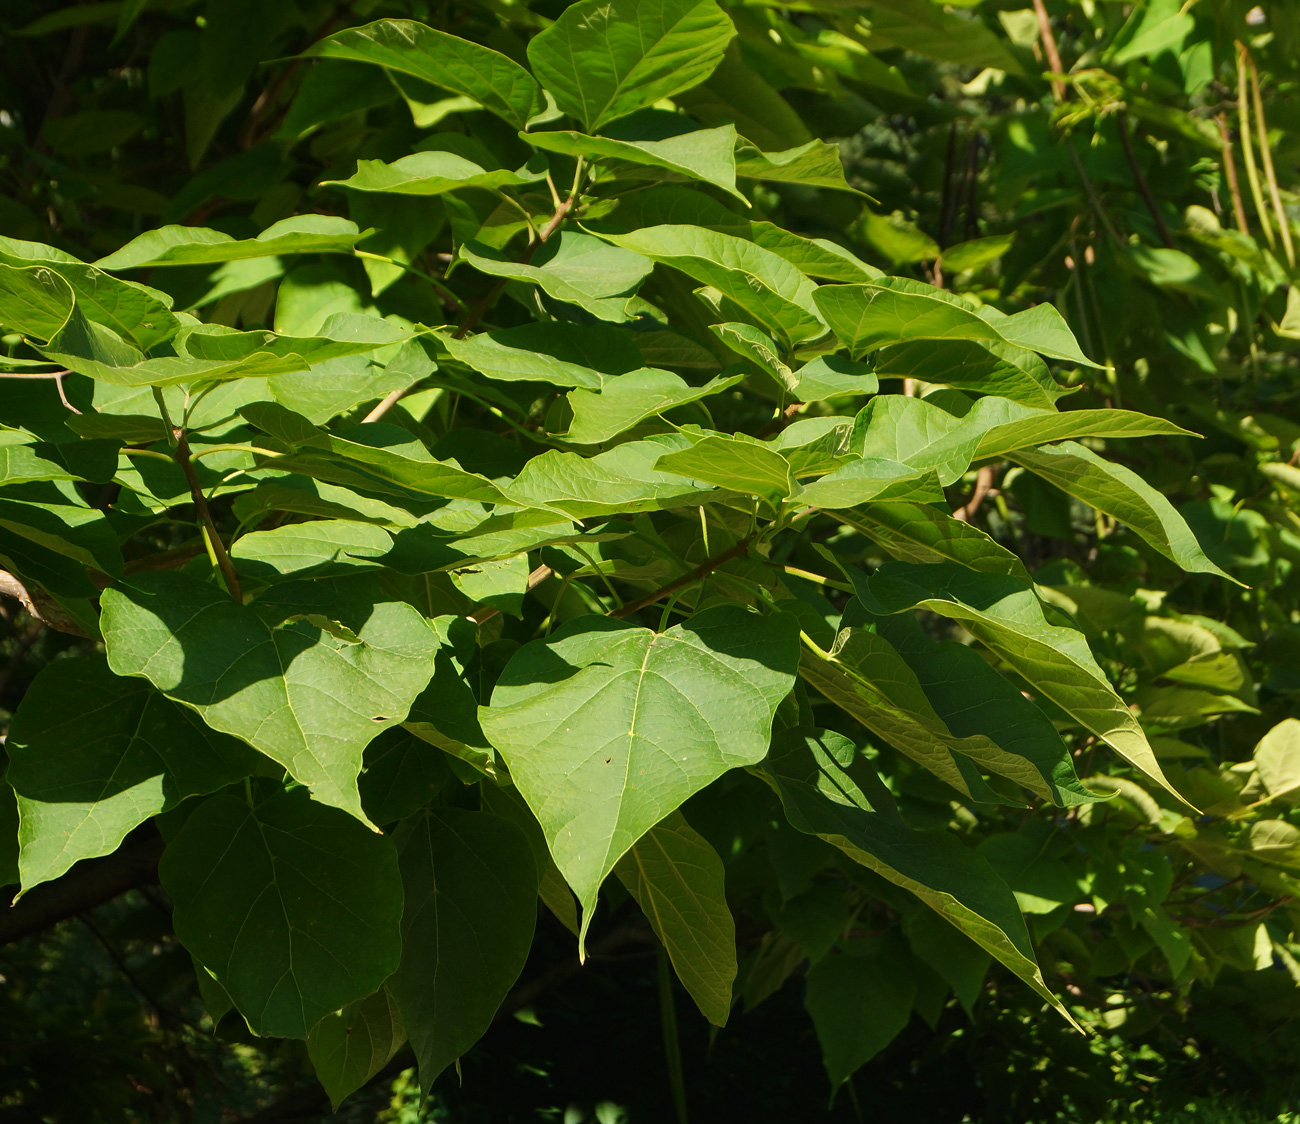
979 365
828 789
1006 615
735 464
858 1003
430 173
677 880
197 245
813 164
605 59
573 267
494 81
92 756
760 282
308 675
347 1048
628 399
705 154
552 352
1122 493
919 532
292 906
607 727
471 904
896 309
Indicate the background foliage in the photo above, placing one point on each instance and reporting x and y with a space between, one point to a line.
1131 166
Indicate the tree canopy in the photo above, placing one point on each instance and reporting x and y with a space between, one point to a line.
800 499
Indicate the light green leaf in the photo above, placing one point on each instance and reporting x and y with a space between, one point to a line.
814 164
871 478
758 348
607 728
896 309
829 790
1007 617
322 548
620 481
292 906
939 33
975 253
605 59
677 880
918 532
1024 428
736 464
572 267
832 376
1123 494
431 173
859 1004
989 368
705 154
21 464
494 81
762 283
911 431
347 1048
306 677
471 904
197 245
626 400
552 352
394 455
93 756
499 584
1277 757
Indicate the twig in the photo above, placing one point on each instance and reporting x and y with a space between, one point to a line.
1150 200
1230 173
205 516
40 605
1049 45
57 376
703 570
983 484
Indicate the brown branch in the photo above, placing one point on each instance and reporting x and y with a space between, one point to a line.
1049 45
40 605
88 884
983 485
703 570
205 515
57 376
1122 118
1230 173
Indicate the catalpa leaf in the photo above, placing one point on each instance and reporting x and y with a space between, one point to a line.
471 904
430 173
304 677
1006 615
93 756
197 245
814 164
494 81
738 465
829 790
607 727
625 400
919 532
293 907
979 365
677 880
348 1047
552 352
603 60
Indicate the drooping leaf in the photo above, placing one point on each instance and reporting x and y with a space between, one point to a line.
677 880
829 790
553 352
607 728
630 398
306 677
294 907
430 173
604 60
918 532
348 1047
93 756
813 164
734 464
475 71
471 904
1122 493
1006 615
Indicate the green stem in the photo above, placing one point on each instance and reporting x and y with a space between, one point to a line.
672 1046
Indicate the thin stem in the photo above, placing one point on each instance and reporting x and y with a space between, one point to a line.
1049 45
1150 200
1247 149
618 601
1266 155
983 483
672 1044
703 570
215 544
1230 173
56 376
